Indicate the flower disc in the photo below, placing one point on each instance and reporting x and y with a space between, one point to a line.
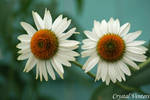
110 47
44 44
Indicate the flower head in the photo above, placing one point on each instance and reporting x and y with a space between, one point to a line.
47 48
112 49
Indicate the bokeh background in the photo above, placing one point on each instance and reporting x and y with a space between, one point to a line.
17 85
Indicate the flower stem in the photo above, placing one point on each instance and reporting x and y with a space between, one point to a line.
125 87
144 63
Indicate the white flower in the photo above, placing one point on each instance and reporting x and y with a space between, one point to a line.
47 47
112 50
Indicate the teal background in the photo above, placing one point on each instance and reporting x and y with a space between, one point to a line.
17 85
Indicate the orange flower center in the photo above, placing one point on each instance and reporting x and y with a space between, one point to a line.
44 44
111 47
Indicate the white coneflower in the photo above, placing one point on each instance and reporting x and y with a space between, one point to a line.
112 50
47 47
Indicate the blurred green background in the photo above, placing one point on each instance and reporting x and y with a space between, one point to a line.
17 85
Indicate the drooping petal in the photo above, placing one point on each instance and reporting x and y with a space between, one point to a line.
130 62
124 68
30 63
50 70
53 62
91 64
104 70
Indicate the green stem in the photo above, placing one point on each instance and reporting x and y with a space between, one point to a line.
127 88
144 63
79 65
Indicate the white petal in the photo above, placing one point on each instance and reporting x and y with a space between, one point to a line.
118 76
38 20
135 57
62 60
110 25
98 74
97 26
56 68
62 26
143 48
70 47
124 29
57 21
104 70
91 63
50 70
136 50
64 56
130 62
116 26
132 36
23 45
24 38
68 43
104 27
124 68
68 52
47 19
39 65
37 72
135 43
107 79
30 63
89 59
112 73
120 72
91 35
59 66
89 45
88 52
44 71
24 56
85 41
68 34
28 28
24 50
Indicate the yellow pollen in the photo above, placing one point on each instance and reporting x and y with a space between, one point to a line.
44 44
111 47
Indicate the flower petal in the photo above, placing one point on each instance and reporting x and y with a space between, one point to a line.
91 35
28 28
53 62
30 63
47 19
38 20
124 68
130 62
132 36
124 29
50 70
135 43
